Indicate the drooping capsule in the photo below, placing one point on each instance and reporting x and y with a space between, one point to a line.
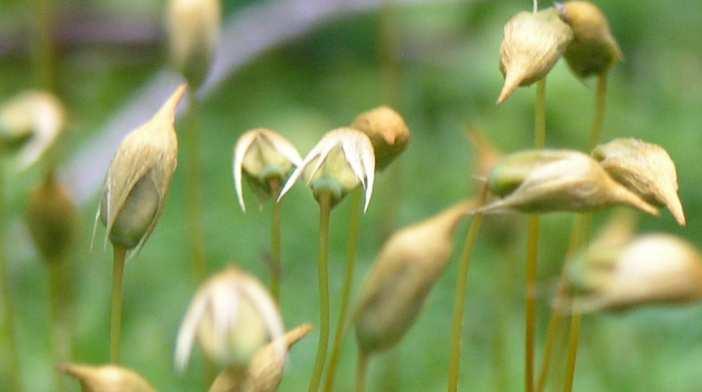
645 169
387 131
593 50
408 266
107 378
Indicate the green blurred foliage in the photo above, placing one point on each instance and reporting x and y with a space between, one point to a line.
447 56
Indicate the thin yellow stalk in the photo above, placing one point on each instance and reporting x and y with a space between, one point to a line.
460 298
573 340
117 296
533 244
58 311
276 266
351 256
193 194
554 325
324 217
361 371
600 110
14 373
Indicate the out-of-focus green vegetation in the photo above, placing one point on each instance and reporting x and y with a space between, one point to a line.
448 79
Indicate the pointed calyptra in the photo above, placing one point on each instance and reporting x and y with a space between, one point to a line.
265 158
233 316
645 169
408 266
651 269
540 181
107 378
30 124
341 161
594 50
193 32
139 178
532 45
387 131
265 371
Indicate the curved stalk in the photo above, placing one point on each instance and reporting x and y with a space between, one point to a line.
325 212
351 256
460 297
276 264
193 194
361 371
117 296
600 110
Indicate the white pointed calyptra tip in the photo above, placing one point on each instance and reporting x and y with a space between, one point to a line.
35 117
262 155
358 157
645 169
232 316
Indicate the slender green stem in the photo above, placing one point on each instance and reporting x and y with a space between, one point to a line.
600 110
193 194
533 245
351 256
276 264
361 371
58 311
14 374
460 297
44 51
540 115
117 296
531 276
325 212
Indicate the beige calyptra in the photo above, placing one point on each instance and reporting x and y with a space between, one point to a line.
651 269
233 316
386 130
193 31
644 168
594 50
540 181
139 178
263 155
266 369
107 378
33 120
532 45
408 266
341 160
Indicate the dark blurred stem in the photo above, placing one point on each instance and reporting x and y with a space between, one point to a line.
351 256
361 371
276 264
325 212
533 245
44 52
14 374
117 297
600 110
581 227
58 312
554 325
193 194
460 297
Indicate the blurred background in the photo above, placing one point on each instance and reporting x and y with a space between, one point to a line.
303 67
